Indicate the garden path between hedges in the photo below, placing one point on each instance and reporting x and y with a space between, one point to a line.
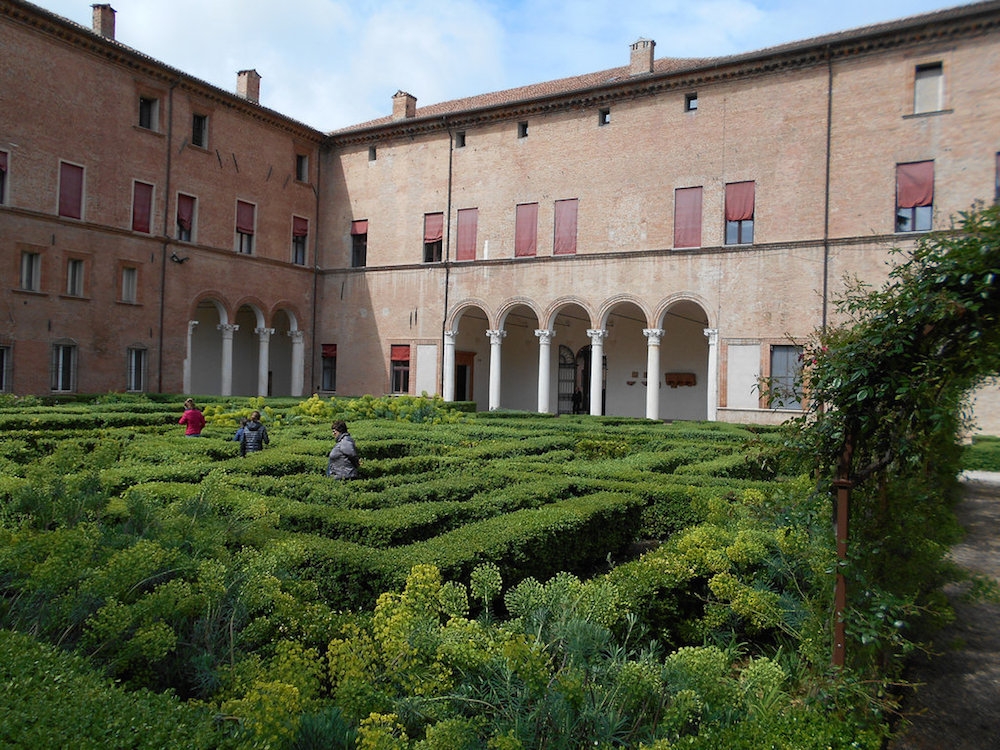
955 704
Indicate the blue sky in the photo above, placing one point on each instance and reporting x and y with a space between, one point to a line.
333 63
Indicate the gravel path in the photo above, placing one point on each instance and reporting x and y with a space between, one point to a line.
956 705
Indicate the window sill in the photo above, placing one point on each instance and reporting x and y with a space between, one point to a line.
933 113
31 292
127 303
76 297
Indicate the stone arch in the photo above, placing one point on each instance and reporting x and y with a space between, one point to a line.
468 360
518 319
208 331
249 368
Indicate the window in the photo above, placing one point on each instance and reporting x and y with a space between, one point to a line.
400 356
302 167
329 369
6 365
130 284
522 130
31 271
186 205
914 196
564 230
690 102
468 227
359 243
136 376
372 153
604 116
433 237
786 365
63 367
74 277
199 131
70 190
300 237
739 213
3 177
460 139
526 230
142 206
149 113
245 214
928 88
687 217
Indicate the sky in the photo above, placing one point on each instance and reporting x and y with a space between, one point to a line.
334 63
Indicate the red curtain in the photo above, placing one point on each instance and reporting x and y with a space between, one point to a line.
399 353
359 227
3 161
244 217
526 230
433 227
915 184
142 206
564 242
70 190
468 227
329 350
739 201
687 217
185 212
300 227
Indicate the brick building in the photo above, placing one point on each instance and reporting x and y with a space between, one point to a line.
656 237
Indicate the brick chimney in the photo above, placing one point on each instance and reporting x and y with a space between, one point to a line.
104 20
642 57
248 85
404 106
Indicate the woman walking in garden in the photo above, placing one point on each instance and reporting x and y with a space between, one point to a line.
343 463
192 419
254 436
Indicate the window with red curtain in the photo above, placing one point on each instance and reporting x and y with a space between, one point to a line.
526 230
468 227
70 191
914 196
399 354
185 216
300 235
244 227
329 381
687 217
359 243
142 206
564 233
739 212
3 177
433 237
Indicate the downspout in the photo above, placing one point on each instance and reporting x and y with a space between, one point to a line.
826 191
166 235
315 302
447 253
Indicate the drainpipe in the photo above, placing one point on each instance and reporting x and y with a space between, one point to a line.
826 191
166 234
315 304
447 252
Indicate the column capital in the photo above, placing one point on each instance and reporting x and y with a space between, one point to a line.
545 335
712 334
192 324
296 336
264 331
597 335
450 336
229 328
653 334
496 335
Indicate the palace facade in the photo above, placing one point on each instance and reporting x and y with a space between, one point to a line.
649 241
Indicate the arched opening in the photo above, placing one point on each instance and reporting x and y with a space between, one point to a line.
205 341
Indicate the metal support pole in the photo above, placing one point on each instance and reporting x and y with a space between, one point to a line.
840 592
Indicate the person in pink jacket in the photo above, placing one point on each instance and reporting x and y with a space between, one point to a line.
192 419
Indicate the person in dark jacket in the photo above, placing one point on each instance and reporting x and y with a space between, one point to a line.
254 436
343 463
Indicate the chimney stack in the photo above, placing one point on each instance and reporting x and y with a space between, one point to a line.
104 20
248 85
404 106
642 57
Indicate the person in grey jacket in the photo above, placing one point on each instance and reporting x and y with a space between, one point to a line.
343 463
254 436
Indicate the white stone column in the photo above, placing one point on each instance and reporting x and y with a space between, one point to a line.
448 376
263 358
544 368
712 334
496 337
298 361
228 329
597 336
192 325
653 336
